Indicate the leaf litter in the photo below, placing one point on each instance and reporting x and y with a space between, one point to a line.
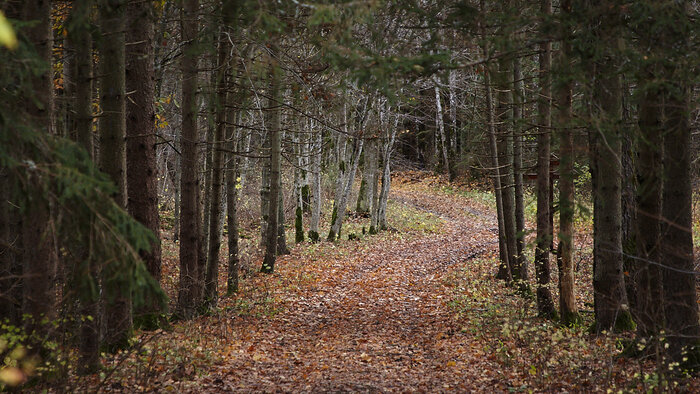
416 309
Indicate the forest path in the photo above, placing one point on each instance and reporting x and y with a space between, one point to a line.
372 317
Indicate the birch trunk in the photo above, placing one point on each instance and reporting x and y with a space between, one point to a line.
341 204
316 183
439 117
386 178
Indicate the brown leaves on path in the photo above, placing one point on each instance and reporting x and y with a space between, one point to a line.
374 318
413 309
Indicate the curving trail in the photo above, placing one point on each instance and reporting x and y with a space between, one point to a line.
376 320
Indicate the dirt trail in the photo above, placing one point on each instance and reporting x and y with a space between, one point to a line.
374 322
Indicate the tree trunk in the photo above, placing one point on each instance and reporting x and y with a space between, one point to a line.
317 152
503 266
38 259
81 41
678 270
386 176
211 292
232 187
567 296
265 182
274 131
342 200
545 305
113 155
440 120
282 248
188 289
518 97
628 199
454 132
649 313
505 168
141 166
676 243
232 224
605 146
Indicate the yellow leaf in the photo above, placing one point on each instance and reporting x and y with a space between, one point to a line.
451 363
7 35
11 376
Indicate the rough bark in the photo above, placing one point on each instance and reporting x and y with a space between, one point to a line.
38 260
232 204
188 289
545 304
505 168
81 40
518 97
141 166
503 266
610 297
211 285
676 243
274 132
118 314
567 296
678 270
648 312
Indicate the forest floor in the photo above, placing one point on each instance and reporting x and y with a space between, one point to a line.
413 309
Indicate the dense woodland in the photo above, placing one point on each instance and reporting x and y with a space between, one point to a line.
159 159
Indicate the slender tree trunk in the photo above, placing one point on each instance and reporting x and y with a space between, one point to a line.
188 290
503 266
265 184
274 131
545 304
505 155
567 296
454 131
113 156
232 143
282 248
211 286
628 200
386 177
316 182
440 120
518 96
142 169
341 204
232 224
